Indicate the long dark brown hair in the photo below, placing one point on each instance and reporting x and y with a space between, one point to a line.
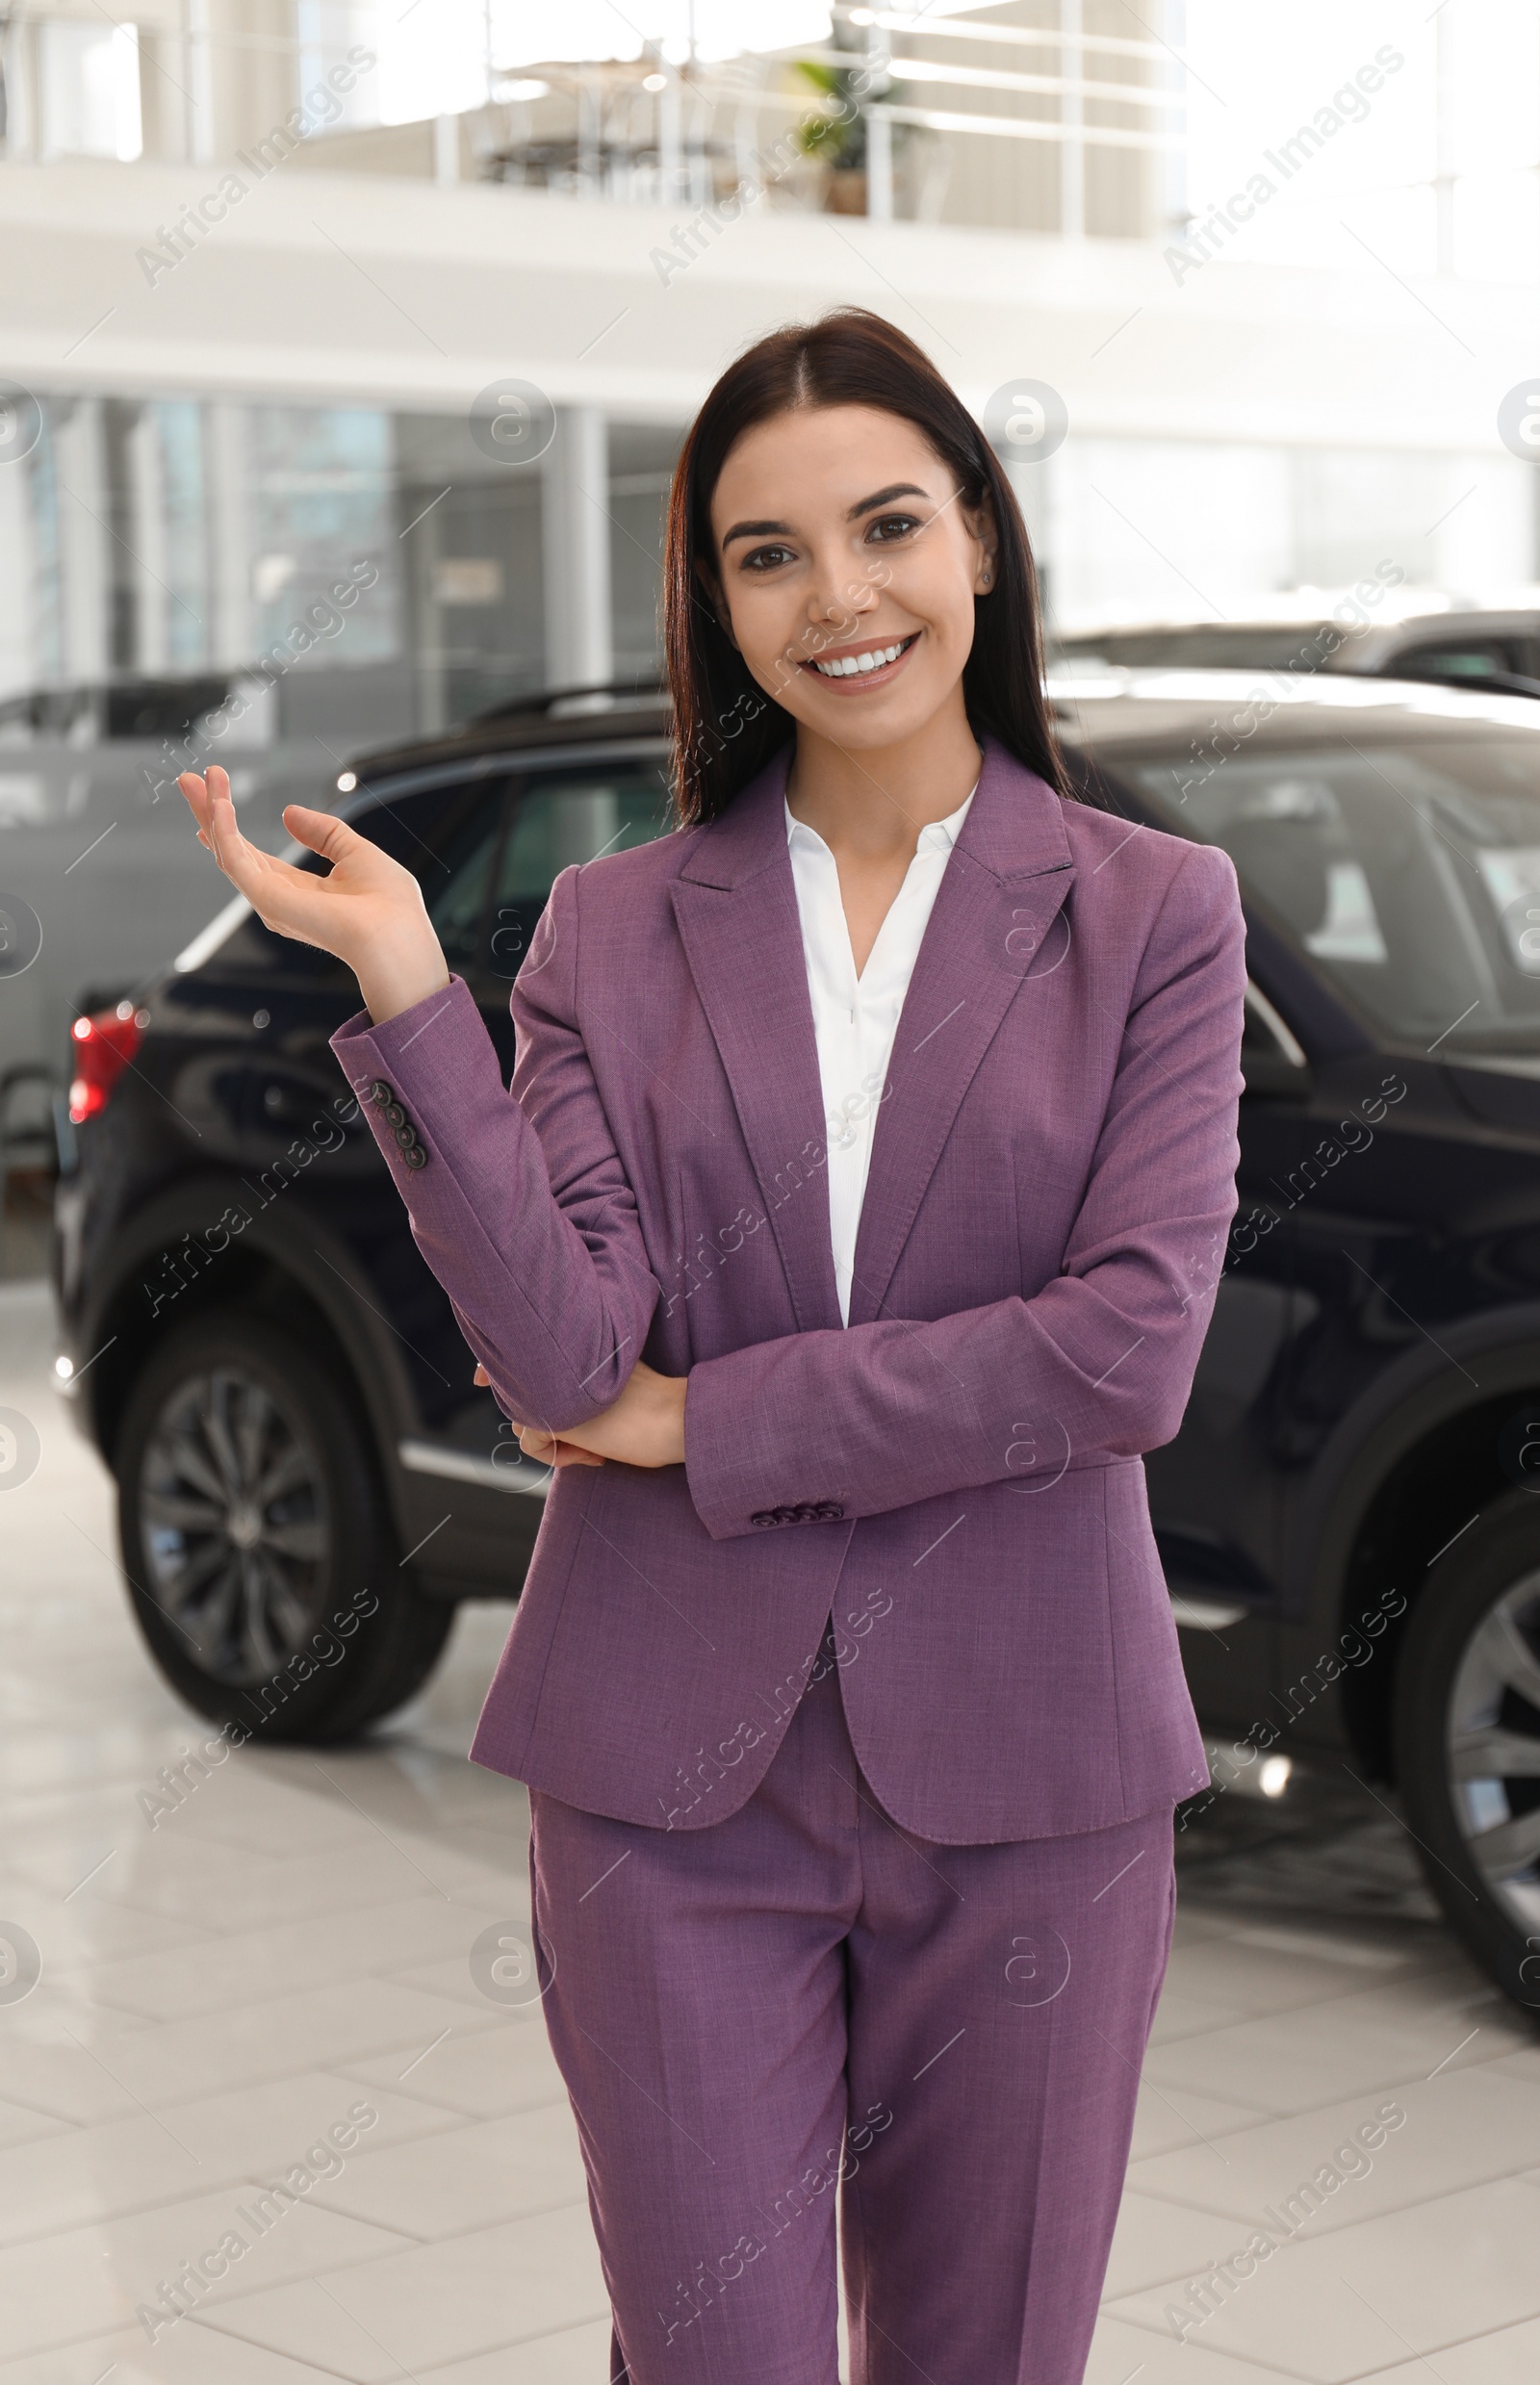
726 727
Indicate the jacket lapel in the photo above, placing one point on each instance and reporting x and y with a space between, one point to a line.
735 904
992 923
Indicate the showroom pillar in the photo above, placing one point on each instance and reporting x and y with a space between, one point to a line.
85 566
148 561
17 566
1036 489
232 629
575 551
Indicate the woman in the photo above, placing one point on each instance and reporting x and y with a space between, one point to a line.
850 1230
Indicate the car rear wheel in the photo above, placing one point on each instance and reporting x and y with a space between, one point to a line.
256 1541
1468 1740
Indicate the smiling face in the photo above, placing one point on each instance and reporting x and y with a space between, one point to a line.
847 568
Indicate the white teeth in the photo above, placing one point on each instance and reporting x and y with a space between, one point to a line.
843 666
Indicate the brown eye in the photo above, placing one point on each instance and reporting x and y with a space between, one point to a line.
766 558
892 526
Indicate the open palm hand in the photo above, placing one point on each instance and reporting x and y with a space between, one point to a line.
368 909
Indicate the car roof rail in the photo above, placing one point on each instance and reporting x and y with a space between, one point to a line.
553 703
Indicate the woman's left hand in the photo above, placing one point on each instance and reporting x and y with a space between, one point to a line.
644 1428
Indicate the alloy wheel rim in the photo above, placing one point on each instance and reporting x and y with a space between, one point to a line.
1493 1746
236 1526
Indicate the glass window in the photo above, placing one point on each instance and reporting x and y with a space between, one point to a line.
1410 872
563 817
1290 646
455 877
1471 658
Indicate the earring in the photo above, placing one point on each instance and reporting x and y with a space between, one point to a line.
984 579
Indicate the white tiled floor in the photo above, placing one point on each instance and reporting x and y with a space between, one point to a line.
219 1990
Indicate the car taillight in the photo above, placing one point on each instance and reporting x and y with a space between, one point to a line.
104 1044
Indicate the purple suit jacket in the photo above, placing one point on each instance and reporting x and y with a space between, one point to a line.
957 1474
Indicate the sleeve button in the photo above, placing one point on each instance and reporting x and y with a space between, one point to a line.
417 1157
380 1092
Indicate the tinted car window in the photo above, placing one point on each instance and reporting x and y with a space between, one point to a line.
1471 659
456 878
560 817
1410 872
1289 645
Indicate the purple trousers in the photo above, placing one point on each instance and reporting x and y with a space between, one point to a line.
806 2002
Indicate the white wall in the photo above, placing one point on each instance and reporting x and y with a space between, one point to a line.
1141 528
1486 536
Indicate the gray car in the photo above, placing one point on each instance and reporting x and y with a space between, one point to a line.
1491 653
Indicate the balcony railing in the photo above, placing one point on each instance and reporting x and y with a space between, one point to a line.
870 123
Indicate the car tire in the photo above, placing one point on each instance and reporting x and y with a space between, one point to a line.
1467 1740
257 1542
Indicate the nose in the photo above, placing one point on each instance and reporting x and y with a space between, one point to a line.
839 600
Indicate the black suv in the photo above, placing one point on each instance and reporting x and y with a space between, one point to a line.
1348 1520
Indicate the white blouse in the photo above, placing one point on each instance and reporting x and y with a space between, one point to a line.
854 1019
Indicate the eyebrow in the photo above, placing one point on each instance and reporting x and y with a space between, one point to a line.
783 530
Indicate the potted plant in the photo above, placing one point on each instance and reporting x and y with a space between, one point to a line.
833 136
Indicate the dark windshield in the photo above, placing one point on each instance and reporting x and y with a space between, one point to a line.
1409 871
1284 646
